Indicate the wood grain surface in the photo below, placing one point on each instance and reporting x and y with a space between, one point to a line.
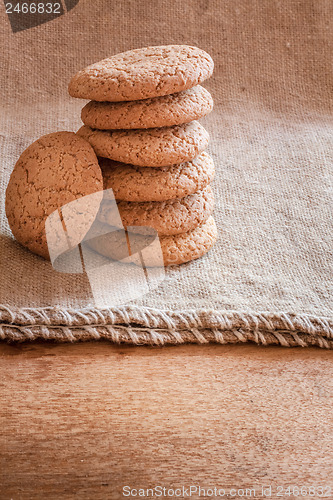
83 421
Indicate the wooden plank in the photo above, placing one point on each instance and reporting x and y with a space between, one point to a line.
86 420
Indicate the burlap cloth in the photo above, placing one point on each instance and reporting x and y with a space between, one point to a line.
268 279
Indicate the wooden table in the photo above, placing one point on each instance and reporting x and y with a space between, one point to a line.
83 421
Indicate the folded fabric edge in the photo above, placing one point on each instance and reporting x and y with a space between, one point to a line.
145 326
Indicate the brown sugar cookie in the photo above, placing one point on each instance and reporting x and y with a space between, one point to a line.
166 217
165 111
132 183
154 147
56 169
176 249
143 73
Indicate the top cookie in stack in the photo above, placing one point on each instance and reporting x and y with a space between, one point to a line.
141 122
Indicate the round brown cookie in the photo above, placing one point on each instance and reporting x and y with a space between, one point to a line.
153 147
166 217
164 111
56 169
131 183
176 249
143 73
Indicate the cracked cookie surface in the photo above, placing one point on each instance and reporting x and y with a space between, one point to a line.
142 74
165 111
176 249
132 183
154 147
165 217
56 169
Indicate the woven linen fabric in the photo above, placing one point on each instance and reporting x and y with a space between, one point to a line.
268 279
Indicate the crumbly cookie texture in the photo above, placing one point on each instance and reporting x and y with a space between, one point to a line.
165 217
132 183
154 147
56 169
165 111
176 249
142 74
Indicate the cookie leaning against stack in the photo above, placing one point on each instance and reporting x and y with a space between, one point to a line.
141 122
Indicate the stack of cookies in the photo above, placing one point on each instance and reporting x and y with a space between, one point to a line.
141 123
